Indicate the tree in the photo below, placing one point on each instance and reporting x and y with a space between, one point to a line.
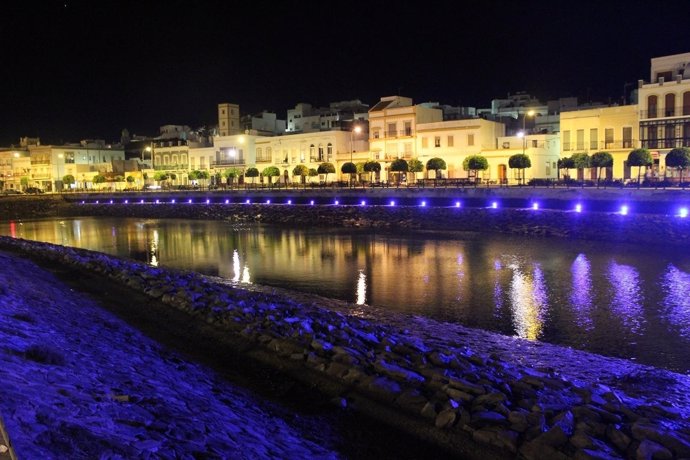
415 166
399 166
270 172
520 161
231 174
373 167
349 168
301 171
474 163
68 180
130 180
601 160
640 157
680 159
98 179
436 164
160 176
252 172
566 163
326 168
313 172
24 181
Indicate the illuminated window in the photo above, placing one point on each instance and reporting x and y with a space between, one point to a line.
580 139
450 141
437 141
608 138
470 139
652 102
627 137
425 142
566 140
670 105
593 139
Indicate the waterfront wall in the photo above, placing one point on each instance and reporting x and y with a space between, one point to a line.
636 227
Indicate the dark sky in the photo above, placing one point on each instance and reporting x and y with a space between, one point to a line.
87 69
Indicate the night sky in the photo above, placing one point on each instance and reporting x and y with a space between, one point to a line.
74 70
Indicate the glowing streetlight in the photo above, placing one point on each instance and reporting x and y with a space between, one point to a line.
356 130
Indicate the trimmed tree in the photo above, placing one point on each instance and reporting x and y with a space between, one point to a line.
313 172
130 180
436 164
679 159
301 171
415 166
520 161
581 161
399 166
231 174
566 163
373 167
68 180
251 172
474 163
601 160
326 168
640 158
270 172
349 168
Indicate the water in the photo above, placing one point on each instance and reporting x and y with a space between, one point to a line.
616 300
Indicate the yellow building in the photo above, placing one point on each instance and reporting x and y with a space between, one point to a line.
602 129
665 108
542 149
393 129
455 140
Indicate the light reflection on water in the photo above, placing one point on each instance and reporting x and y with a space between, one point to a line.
620 301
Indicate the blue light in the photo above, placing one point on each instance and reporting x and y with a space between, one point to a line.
457 204
156 201
126 201
82 201
578 207
683 212
111 201
247 201
227 201
337 202
392 203
624 210
494 205
207 201
363 203
289 202
311 202
423 204
172 201
189 201
96 201
268 201
142 201
535 206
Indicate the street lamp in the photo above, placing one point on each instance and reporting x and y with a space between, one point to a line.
356 130
60 157
529 113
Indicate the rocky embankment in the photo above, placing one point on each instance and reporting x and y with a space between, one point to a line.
477 405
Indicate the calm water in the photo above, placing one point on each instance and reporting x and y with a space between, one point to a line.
616 300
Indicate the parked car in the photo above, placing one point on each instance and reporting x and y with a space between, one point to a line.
34 190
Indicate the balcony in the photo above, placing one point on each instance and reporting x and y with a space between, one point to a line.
227 162
680 111
666 143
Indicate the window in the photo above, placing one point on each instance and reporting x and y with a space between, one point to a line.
566 141
425 142
166 159
437 141
670 136
670 105
608 138
320 152
580 139
470 139
535 143
183 159
651 106
627 137
408 128
450 141
312 153
377 133
686 103
408 149
652 137
222 112
329 151
593 139
391 130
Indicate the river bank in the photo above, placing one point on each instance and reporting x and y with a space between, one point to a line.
476 393
561 220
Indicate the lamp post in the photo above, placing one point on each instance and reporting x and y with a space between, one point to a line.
357 129
60 157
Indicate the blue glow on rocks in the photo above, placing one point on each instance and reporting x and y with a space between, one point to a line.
337 202
494 205
207 201
457 204
111 201
535 206
423 204
126 201
172 201
289 201
683 212
227 201
578 207
392 203
624 210
311 202
141 201
363 203
248 201
268 201
96 201
189 201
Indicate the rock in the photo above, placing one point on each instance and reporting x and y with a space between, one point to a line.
649 450
428 411
581 440
619 439
504 439
554 437
457 394
412 401
398 372
483 418
534 450
384 387
466 386
445 418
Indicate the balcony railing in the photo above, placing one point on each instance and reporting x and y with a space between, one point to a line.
227 162
666 143
679 111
